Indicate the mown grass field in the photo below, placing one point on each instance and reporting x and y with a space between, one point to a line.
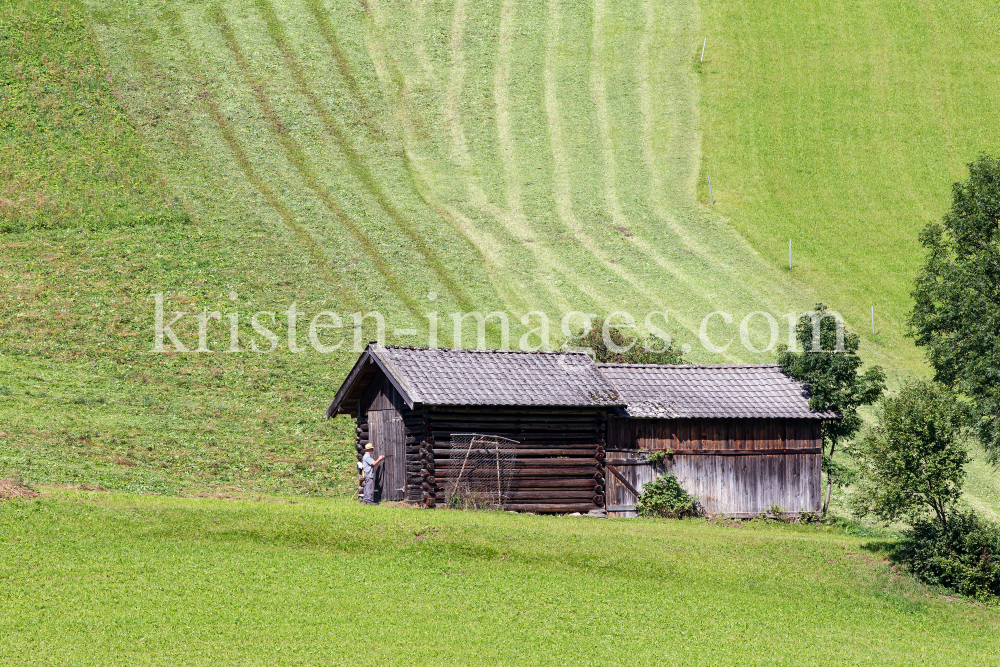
350 157
843 127
358 156
302 153
115 578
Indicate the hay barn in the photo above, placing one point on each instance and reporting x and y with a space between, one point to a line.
741 438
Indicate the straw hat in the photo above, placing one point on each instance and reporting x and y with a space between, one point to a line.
369 446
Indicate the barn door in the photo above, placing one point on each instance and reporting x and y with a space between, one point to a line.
627 474
385 428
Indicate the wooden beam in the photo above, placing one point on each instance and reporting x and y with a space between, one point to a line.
628 484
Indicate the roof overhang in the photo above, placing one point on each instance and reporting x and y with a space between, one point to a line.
355 383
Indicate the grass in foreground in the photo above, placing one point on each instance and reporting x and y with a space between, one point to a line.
109 578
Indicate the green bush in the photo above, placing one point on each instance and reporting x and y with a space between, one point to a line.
664 497
962 554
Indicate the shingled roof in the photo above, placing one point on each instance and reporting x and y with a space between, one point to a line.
442 376
711 392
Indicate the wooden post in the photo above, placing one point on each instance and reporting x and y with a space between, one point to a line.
496 449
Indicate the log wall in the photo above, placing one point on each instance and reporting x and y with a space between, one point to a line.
559 460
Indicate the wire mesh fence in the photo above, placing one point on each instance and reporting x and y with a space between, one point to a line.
481 470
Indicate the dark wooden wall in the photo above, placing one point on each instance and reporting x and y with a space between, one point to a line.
737 467
558 467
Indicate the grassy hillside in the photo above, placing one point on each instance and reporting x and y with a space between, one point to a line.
504 156
152 580
83 400
843 127
70 155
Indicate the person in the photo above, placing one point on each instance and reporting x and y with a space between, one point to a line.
368 463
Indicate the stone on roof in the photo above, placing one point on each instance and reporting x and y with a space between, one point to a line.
711 392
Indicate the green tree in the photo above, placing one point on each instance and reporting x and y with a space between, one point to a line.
829 363
611 346
912 460
956 314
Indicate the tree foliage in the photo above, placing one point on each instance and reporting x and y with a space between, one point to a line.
611 346
956 315
912 460
828 361
963 555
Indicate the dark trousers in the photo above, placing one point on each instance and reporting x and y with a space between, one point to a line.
369 490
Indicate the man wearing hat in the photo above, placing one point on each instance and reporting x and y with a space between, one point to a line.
368 467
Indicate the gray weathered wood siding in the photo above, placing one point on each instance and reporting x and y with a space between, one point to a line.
737 467
740 434
381 423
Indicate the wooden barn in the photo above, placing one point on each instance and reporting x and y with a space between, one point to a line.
409 402
742 438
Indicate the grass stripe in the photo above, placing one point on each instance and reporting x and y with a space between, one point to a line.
298 159
228 133
344 68
511 290
356 161
513 220
561 181
478 196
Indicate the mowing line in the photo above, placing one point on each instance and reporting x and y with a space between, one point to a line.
300 162
420 48
514 222
356 161
453 89
646 127
776 283
460 150
343 64
484 242
501 80
246 166
610 171
561 179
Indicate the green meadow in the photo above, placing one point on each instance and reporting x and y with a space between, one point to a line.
842 126
238 157
241 156
95 578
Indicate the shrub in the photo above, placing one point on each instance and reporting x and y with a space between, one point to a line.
617 348
666 498
962 554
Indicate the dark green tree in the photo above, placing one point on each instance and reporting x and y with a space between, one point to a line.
956 314
628 350
828 362
911 462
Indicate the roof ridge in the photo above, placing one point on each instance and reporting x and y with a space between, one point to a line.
615 365
421 348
